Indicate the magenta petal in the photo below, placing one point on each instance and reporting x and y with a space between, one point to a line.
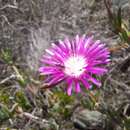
77 39
88 42
97 70
86 84
77 87
93 46
41 69
48 61
80 44
48 70
56 79
96 82
69 88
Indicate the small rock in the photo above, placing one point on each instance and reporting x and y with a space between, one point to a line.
89 120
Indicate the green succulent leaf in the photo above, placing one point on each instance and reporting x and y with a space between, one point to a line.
127 124
22 100
6 55
4 113
119 18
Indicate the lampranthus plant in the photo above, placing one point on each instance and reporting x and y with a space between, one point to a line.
75 62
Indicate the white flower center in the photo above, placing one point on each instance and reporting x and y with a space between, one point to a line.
75 66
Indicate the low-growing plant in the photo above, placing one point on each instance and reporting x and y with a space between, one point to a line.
118 23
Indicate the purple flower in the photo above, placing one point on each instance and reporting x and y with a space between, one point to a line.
75 62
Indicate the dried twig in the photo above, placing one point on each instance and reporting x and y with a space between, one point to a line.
9 6
122 85
6 19
35 118
8 78
28 123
